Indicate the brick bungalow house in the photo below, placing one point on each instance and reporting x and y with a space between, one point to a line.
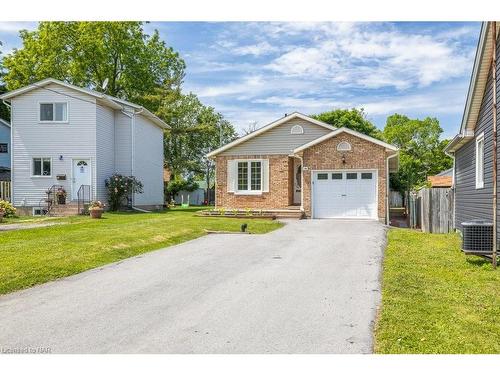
302 164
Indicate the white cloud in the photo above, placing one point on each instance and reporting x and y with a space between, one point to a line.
366 56
14 27
262 48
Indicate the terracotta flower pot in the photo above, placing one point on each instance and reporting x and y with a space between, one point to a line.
96 213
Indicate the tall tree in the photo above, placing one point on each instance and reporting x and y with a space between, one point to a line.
421 150
194 130
354 119
88 53
4 111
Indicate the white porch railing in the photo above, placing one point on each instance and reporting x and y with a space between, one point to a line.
5 190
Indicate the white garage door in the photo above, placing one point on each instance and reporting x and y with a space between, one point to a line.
345 194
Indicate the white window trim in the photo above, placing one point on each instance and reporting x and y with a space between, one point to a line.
479 176
32 169
54 111
249 192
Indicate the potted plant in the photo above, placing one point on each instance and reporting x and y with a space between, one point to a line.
96 209
61 195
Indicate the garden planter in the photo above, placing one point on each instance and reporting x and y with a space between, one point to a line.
61 199
96 213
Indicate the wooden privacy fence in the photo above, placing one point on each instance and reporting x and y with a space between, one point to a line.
5 190
432 210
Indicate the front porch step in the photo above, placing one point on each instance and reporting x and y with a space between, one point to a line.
68 209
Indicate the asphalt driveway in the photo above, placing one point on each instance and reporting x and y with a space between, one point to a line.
310 287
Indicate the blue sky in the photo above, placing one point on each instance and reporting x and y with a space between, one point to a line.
257 72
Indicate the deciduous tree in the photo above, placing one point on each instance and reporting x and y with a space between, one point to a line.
88 53
354 119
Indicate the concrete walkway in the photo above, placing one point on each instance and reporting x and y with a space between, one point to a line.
311 287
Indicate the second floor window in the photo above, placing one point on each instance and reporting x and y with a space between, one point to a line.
4 148
54 112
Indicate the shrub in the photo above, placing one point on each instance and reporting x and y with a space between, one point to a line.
175 186
119 188
8 209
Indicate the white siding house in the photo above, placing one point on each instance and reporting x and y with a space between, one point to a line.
71 136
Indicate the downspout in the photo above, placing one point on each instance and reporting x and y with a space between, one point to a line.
132 150
494 109
387 189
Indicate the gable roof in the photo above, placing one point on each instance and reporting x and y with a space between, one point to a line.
6 123
105 99
338 131
269 127
477 88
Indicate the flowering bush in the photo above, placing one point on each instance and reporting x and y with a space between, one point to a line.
96 205
119 188
8 209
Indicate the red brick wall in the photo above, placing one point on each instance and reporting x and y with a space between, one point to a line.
277 197
363 155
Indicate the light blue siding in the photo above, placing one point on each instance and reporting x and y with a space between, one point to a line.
5 138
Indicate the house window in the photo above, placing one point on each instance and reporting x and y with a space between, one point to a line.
54 112
480 161
250 176
42 167
4 148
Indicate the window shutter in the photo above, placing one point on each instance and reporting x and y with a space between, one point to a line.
265 175
231 175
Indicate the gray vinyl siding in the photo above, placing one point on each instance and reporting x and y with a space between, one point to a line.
278 140
105 129
5 138
75 139
123 140
148 161
472 203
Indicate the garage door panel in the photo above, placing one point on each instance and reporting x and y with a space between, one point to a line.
345 194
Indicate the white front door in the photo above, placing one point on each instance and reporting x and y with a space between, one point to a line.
345 194
81 175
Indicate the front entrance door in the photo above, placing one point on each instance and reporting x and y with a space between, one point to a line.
297 180
81 175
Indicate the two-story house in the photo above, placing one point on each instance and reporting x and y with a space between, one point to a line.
75 137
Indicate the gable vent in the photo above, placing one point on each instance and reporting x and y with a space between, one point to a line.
344 146
297 129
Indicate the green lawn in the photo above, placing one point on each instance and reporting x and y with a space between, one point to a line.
34 256
434 299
